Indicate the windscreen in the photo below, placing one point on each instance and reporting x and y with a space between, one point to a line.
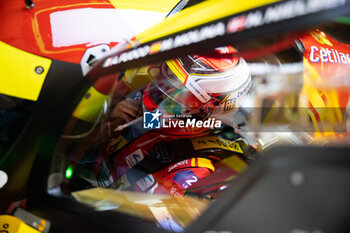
162 142
14 114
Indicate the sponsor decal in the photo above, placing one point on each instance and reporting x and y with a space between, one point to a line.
320 37
175 193
325 55
197 35
185 178
244 90
193 36
196 90
135 157
176 165
279 12
229 104
231 100
145 182
212 142
127 56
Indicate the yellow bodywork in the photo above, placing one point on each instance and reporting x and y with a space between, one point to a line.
17 67
90 109
17 72
197 15
12 224
145 5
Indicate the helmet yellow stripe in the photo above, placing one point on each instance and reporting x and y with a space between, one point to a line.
178 70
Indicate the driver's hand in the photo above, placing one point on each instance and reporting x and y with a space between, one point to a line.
127 110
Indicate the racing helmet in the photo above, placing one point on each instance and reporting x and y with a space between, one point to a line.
203 85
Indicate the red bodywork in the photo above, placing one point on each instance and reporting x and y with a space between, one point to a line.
32 30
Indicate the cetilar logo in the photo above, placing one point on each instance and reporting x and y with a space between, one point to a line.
151 120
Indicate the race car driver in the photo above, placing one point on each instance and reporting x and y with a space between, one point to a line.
207 87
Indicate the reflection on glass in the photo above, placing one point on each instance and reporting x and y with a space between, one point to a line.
168 212
14 114
162 142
